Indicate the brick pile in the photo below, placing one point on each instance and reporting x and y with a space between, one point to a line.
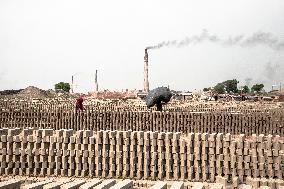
141 155
185 122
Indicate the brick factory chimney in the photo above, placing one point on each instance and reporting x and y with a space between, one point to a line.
72 84
96 82
146 81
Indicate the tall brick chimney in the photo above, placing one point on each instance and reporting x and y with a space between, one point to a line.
146 81
96 82
72 84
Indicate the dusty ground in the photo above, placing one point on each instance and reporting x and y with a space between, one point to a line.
137 183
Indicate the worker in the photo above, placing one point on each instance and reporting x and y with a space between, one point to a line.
216 97
159 106
79 104
243 97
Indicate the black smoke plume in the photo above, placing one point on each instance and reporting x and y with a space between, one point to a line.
258 38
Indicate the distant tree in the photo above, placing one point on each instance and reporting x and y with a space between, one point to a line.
63 86
227 86
231 86
206 89
245 89
257 88
219 88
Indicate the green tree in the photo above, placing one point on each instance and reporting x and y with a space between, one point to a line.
231 86
245 89
63 86
257 88
206 89
219 88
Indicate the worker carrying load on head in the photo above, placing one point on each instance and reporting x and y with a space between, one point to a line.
79 104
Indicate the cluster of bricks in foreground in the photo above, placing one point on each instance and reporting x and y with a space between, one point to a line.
142 155
97 183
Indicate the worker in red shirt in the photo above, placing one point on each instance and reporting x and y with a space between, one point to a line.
79 104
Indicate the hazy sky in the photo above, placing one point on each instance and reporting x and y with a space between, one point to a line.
45 42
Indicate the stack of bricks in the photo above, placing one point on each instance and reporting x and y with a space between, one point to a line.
49 152
176 155
133 154
190 156
41 149
98 154
126 154
154 154
55 153
169 156
219 155
112 154
261 155
105 154
205 158
278 151
247 165
254 152
256 183
162 156
227 156
16 155
240 158
248 122
69 151
183 159
197 163
147 155
91 156
61 156
269 155
212 156
141 155
3 146
87 134
7 151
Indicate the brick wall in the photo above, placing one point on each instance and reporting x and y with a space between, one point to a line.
141 155
186 122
